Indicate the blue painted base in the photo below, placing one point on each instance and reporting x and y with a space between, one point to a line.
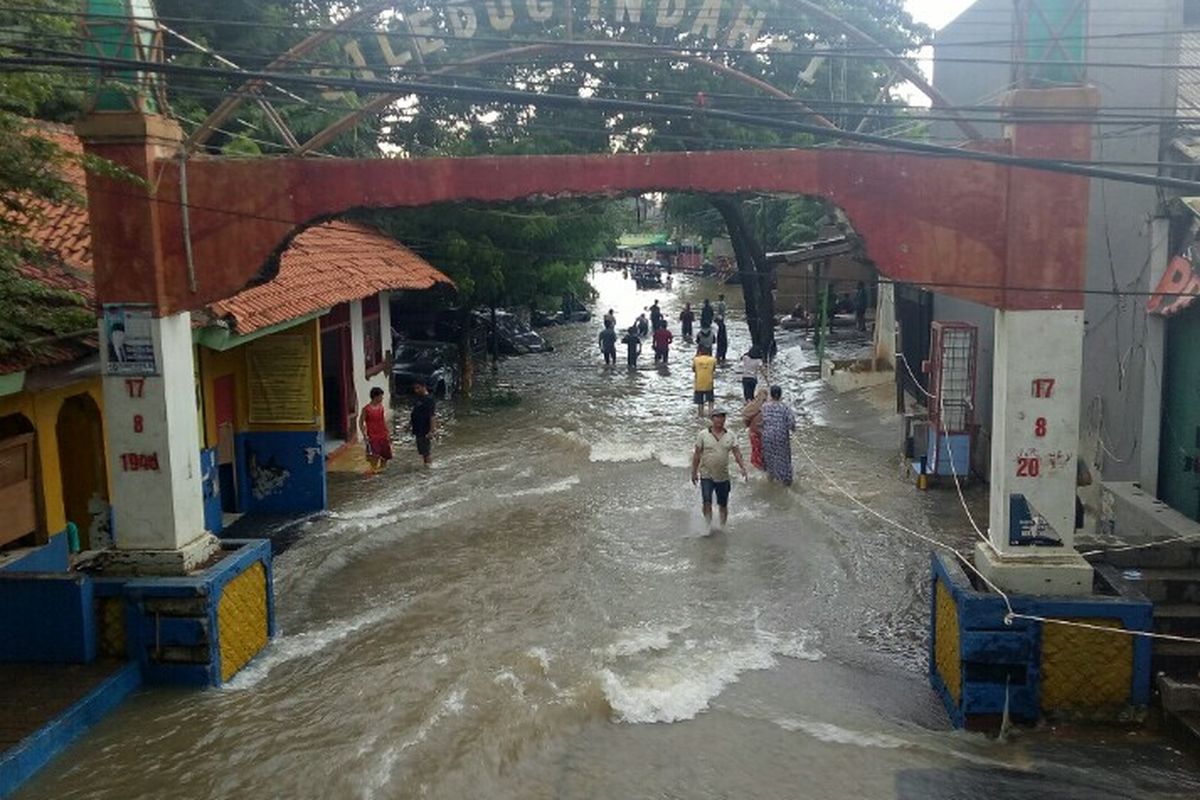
281 472
54 556
171 622
19 763
210 484
1000 660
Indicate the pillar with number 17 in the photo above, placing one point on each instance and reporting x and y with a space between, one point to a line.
1037 366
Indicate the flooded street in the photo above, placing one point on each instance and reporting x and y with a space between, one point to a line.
540 616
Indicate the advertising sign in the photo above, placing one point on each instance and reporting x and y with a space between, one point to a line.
129 340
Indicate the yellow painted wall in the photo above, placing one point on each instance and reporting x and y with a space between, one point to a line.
242 619
946 645
41 409
215 364
1085 669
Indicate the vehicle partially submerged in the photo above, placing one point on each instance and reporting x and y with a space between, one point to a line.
433 363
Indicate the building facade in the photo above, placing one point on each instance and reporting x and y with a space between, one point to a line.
1128 231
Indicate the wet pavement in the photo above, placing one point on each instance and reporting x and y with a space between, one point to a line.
541 615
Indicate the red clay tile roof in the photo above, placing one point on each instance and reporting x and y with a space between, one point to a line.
327 264
62 232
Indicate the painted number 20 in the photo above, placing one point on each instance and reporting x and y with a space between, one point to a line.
1028 467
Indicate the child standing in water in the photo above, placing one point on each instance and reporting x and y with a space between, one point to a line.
373 425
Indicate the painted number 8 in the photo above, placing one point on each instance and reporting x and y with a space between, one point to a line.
137 423
1039 427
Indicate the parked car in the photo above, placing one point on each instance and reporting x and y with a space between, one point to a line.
434 363
515 337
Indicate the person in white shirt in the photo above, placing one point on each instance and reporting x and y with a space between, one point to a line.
750 367
710 465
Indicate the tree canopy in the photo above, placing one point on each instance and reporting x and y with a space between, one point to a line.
32 179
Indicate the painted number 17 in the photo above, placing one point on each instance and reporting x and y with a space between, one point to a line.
1043 387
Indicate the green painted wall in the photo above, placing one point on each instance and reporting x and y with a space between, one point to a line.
1179 464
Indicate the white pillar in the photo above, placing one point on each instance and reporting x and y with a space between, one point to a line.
1036 389
153 438
1153 362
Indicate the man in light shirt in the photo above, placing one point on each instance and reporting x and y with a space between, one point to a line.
710 465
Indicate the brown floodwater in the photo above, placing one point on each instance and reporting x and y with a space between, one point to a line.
540 615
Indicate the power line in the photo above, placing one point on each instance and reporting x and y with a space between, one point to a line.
874 53
536 99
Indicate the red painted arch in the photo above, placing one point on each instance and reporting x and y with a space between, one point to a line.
985 232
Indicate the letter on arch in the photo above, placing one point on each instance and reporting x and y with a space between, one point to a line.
463 21
670 13
390 57
746 27
540 10
420 23
500 15
628 9
708 19
355 54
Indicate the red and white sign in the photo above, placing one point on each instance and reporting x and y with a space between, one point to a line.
1178 289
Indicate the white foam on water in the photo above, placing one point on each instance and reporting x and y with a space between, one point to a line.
541 655
672 567
379 776
620 452
644 639
676 683
307 643
797 645
679 688
675 459
506 675
572 438
564 485
834 734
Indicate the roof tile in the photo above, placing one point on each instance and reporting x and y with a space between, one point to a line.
325 265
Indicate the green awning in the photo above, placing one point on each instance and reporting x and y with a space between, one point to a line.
216 337
643 240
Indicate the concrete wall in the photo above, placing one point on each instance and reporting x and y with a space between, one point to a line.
278 464
364 383
1119 231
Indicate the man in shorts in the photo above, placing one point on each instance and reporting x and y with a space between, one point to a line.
423 421
710 465
705 367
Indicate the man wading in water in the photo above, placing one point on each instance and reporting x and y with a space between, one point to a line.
710 465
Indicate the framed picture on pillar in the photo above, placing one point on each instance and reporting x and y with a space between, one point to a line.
129 346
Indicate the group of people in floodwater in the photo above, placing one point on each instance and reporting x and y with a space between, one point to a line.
652 325
769 422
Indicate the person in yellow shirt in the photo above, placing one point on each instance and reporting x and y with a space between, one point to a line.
705 367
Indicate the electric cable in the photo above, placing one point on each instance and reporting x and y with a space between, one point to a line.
535 99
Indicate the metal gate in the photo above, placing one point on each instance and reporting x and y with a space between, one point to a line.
1179 459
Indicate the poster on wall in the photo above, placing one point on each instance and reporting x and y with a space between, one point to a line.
280 376
129 340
